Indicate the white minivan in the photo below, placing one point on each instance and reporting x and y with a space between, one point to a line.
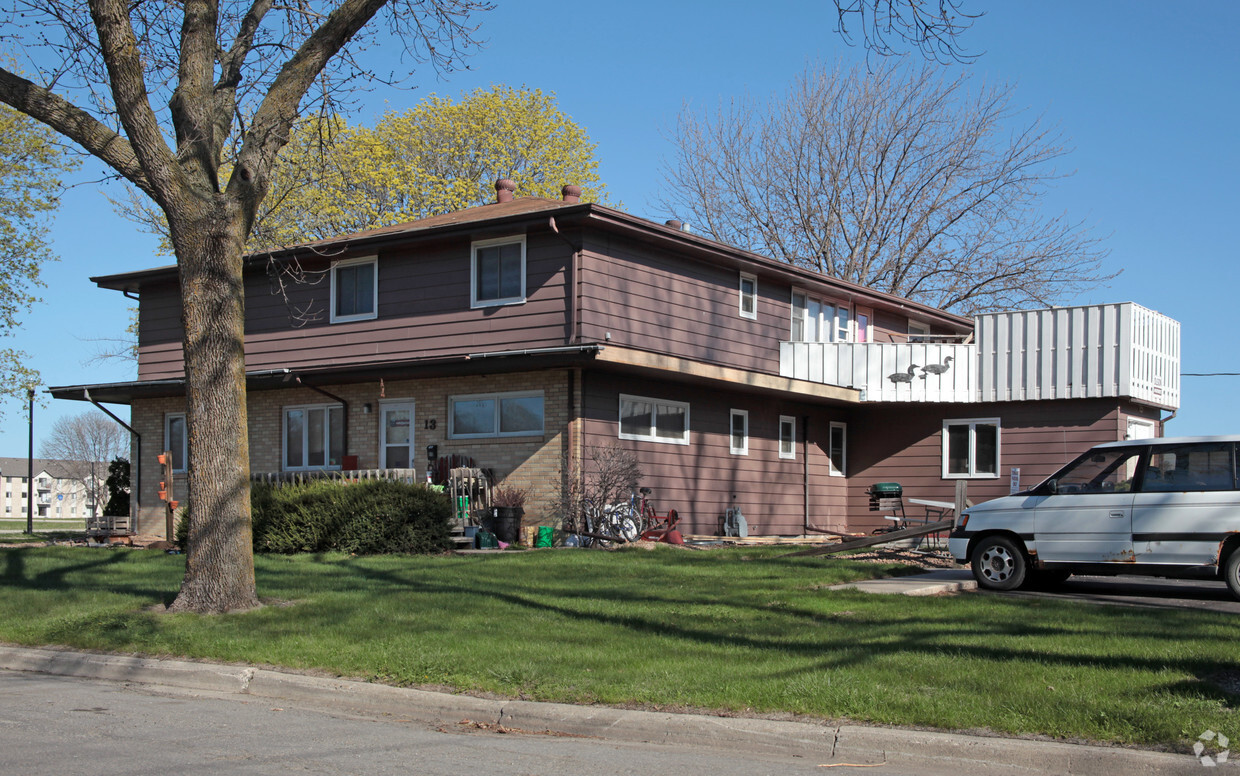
1164 507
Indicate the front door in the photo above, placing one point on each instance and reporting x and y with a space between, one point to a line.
396 435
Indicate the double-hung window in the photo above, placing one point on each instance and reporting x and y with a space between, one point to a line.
355 290
819 320
313 437
496 415
971 448
654 420
748 296
176 440
739 432
497 272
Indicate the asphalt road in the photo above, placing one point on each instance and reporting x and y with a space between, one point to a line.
1141 591
77 727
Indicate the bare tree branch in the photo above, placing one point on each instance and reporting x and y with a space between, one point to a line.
933 27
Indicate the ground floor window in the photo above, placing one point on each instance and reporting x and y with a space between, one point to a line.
787 436
654 420
971 448
495 415
837 449
313 437
740 432
175 440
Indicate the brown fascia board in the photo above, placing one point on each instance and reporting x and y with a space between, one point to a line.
533 210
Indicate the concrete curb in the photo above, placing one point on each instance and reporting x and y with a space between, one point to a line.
930 583
846 743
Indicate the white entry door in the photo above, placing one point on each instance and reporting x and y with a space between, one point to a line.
396 435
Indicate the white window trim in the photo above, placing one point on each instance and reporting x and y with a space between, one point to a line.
837 335
651 437
917 330
843 449
741 296
168 416
496 419
327 449
744 448
868 312
374 304
474 302
792 455
972 423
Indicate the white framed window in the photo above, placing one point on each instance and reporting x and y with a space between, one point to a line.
748 291
176 441
787 437
971 448
819 320
515 414
497 272
837 448
738 432
313 437
862 331
654 420
355 290
918 331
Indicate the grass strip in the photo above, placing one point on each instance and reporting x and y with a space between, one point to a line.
736 630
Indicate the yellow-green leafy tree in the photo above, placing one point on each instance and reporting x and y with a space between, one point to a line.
440 156
31 165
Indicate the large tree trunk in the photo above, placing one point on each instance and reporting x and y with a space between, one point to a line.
219 573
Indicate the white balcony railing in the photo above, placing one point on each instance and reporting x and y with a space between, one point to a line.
1093 351
886 371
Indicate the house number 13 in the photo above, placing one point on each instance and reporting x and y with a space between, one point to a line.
429 424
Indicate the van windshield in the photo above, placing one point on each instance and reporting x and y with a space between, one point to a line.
1100 471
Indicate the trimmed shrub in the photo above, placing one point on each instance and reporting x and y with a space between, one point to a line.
371 517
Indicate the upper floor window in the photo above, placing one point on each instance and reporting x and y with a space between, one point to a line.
654 420
818 320
918 331
497 274
313 437
355 290
496 415
176 440
971 448
748 296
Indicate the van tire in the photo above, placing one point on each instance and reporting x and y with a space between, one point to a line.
1231 573
999 563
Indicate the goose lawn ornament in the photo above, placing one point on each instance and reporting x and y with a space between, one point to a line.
903 377
936 369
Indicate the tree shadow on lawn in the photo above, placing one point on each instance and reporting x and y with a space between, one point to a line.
987 629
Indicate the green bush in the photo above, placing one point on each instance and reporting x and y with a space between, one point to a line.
372 517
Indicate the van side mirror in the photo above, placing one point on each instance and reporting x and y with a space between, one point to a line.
1052 486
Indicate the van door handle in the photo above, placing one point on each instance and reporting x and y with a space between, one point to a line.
1120 515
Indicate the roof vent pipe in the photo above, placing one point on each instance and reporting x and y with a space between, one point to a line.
571 193
674 224
504 189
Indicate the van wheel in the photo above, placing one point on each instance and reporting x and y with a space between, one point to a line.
999 564
1231 573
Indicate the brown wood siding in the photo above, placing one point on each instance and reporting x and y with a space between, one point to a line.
423 308
699 479
898 443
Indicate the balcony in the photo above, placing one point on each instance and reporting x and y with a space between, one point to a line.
1094 351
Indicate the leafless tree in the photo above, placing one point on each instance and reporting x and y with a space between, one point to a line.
933 27
81 447
897 180
609 475
191 102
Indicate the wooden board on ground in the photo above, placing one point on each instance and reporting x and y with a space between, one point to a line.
876 539
764 540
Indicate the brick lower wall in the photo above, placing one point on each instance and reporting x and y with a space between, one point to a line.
528 462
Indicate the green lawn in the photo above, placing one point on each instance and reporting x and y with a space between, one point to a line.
735 630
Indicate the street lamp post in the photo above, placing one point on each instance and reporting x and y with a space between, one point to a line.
30 470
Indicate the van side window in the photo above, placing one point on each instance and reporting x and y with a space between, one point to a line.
1196 467
1103 471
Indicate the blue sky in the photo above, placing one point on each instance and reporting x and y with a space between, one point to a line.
1146 93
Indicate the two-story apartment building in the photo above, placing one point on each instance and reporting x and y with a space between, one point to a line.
525 332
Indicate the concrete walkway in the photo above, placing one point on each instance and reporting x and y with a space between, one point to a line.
929 583
834 744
